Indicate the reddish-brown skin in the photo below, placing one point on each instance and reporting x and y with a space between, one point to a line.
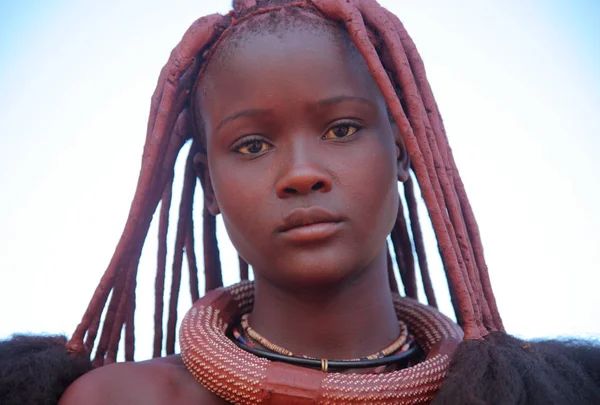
359 276
307 292
154 382
470 290
325 297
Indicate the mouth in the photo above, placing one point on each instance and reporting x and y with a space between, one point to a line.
310 224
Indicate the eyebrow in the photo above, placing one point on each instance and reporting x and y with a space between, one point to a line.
341 99
253 112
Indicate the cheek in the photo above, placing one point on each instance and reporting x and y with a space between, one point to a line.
376 187
242 197
374 170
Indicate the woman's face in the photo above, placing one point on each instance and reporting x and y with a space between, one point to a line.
301 155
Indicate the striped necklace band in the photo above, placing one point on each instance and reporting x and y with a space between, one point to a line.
241 377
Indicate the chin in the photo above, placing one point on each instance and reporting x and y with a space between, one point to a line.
316 271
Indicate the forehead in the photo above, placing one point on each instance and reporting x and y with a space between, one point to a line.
292 64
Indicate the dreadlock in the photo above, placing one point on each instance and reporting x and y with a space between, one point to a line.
392 58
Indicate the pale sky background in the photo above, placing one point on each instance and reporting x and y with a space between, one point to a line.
518 84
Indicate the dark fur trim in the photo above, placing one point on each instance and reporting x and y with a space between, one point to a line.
504 370
498 370
37 369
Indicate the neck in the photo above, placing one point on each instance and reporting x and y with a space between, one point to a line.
350 320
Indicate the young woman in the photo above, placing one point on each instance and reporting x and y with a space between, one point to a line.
303 118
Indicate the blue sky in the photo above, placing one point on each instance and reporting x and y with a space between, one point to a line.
518 84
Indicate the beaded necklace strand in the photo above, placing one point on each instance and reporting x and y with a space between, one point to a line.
400 352
395 346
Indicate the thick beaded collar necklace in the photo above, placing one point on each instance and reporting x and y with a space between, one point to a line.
241 377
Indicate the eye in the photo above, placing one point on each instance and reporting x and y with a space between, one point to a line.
341 131
252 146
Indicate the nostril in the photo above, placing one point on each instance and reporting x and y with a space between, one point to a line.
289 190
317 186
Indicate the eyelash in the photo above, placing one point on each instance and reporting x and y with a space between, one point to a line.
343 123
254 139
247 141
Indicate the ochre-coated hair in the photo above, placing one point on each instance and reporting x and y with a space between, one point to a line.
391 56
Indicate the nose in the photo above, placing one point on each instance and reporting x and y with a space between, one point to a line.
302 175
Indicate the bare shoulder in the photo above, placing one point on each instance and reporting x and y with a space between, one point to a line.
152 382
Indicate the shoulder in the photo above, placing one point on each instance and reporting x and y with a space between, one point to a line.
157 381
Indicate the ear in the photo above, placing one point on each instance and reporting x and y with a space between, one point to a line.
203 173
402 157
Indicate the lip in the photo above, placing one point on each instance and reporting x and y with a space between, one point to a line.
310 224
